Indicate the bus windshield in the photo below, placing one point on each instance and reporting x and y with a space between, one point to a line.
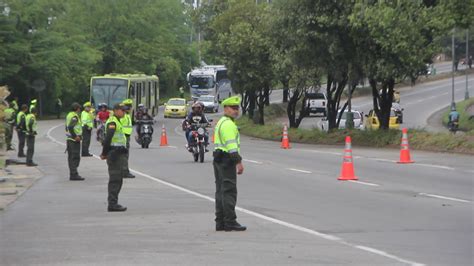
109 94
201 82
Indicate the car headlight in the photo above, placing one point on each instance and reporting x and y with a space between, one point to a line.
200 131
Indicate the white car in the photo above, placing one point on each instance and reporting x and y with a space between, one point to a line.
210 103
358 119
316 103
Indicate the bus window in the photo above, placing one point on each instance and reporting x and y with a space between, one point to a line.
139 93
132 91
149 95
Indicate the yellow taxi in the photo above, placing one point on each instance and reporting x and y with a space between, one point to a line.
176 107
372 121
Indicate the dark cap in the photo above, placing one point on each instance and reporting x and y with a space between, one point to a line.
120 106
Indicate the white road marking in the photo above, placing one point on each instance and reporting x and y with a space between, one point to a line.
443 197
385 254
364 183
437 166
252 161
299 170
385 160
267 218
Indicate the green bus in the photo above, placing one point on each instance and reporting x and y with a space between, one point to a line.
114 88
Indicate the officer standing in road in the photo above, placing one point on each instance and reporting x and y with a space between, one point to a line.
20 129
9 122
227 164
33 104
31 131
126 121
115 151
74 136
87 119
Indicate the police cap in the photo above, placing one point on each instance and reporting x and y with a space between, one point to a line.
232 101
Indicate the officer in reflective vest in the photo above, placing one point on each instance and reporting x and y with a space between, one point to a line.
126 121
31 131
114 150
87 119
33 104
227 164
21 129
74 136
9 122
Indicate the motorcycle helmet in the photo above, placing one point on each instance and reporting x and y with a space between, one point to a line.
197 107
141 107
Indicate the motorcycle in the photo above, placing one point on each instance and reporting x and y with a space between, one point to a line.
198 143
145 135
100 131
453 126
398 110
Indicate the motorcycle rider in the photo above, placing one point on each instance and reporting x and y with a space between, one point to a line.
103 114
453 116
196 111
141 115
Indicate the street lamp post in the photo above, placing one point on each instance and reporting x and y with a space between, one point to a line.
453 104
466 93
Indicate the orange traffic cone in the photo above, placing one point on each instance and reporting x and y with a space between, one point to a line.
164 138
347 171
285 141
405 150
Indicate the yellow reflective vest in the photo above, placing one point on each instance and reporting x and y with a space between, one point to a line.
227 136
126 121
119 139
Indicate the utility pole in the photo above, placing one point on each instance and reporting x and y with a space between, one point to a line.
466 93
453 54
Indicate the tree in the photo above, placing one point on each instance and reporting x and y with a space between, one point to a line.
394 35
242 37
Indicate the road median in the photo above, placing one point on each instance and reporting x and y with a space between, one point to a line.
419 139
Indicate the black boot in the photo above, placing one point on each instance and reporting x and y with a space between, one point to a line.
116 208
235 226
31 164
129 175
76 178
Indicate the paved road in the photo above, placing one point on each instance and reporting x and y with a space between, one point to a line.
419 102
296 210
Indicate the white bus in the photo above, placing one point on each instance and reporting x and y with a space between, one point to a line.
210 80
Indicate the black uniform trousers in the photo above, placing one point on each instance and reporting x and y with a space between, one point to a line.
115 160
86 140
21 142
30 143
225 174
73 156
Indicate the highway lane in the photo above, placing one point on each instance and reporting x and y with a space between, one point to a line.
419 102
299 186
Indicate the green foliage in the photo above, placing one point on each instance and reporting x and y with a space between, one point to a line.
66 42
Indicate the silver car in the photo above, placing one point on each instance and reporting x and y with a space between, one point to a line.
358 119
210 103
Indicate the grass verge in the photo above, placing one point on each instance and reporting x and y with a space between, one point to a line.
466 123
419 139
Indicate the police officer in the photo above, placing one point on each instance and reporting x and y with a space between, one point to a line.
31 131
227 164
126 121
9 122
33 104
87 119
115 151
21 129
74 135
